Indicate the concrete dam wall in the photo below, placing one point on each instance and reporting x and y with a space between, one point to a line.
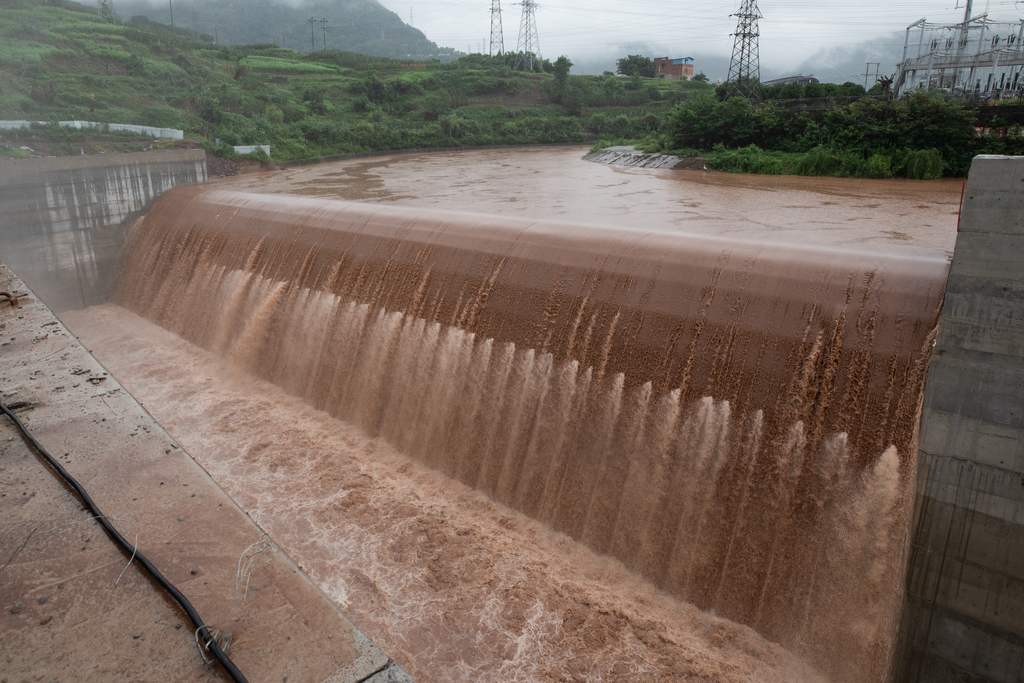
63 220
965 593
734 421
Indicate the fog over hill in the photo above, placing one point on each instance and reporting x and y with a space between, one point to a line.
363 26
848 62
827 38
835 64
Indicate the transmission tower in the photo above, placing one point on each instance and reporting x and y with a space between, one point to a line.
497 37
528 46
745 67
195 21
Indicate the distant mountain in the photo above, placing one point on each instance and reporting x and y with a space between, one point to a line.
363 26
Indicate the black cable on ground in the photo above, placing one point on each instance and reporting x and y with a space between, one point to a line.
208 641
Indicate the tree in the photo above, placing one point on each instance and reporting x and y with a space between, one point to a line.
561 69
814 90
635 64
701 77
107 11
703 122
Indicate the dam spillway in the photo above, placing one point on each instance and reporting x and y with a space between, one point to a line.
734 421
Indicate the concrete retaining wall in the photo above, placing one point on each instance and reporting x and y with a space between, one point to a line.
63 220
964 618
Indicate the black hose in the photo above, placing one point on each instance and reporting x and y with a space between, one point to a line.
208 641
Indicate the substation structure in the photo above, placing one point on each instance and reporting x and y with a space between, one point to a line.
977 58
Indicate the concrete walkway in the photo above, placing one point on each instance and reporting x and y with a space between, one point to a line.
64 613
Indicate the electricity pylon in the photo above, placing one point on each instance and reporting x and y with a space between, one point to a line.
497 37
528 46
745 67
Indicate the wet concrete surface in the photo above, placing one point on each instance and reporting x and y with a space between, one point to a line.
66 614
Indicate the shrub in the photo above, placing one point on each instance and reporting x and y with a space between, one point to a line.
135 66
161 115
750 159
923 164
821 161
450 126
274 114
361 104
572 100
878 166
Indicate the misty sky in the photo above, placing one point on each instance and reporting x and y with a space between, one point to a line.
794 33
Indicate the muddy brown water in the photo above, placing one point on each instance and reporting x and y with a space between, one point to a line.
670 385
880 216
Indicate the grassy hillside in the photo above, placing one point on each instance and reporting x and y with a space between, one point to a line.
60 60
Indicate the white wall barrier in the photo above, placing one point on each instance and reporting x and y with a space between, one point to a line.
172 133
249 149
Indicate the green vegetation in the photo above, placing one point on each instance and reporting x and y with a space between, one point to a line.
824 161
13 152
286 65
60 60
603 144
926 136
796 91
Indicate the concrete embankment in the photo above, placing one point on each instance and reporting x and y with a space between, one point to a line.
63 220
965 593
625 155
67 611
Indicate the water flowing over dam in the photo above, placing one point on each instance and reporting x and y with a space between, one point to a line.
734 421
